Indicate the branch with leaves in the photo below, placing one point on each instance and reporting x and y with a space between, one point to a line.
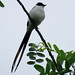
65 60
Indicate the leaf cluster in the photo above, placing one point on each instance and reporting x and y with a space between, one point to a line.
35 54
65 60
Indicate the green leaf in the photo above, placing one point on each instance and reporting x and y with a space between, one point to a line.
1 4
40 49
53 73
38 67
56 48
39 60
32 57
59 62
44 48
60 59
51 64
40 55
32 49
65 71
51 50
49 45
70 60
67 64
33 45
31 62
43 43
59 66
31 53
42 72
47 68
69 54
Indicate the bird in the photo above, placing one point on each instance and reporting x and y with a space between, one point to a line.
37 14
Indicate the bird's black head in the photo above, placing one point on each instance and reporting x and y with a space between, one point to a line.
40 4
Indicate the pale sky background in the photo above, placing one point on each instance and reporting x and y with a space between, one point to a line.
57 28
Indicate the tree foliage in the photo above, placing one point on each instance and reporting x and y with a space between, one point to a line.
65 60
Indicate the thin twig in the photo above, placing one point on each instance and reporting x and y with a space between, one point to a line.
50 54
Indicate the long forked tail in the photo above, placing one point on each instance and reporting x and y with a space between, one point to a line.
20 51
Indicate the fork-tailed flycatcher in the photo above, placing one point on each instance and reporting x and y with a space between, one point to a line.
37 14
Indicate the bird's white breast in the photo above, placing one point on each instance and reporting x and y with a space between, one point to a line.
37 14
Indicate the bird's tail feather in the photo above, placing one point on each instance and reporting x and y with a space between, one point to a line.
21 50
